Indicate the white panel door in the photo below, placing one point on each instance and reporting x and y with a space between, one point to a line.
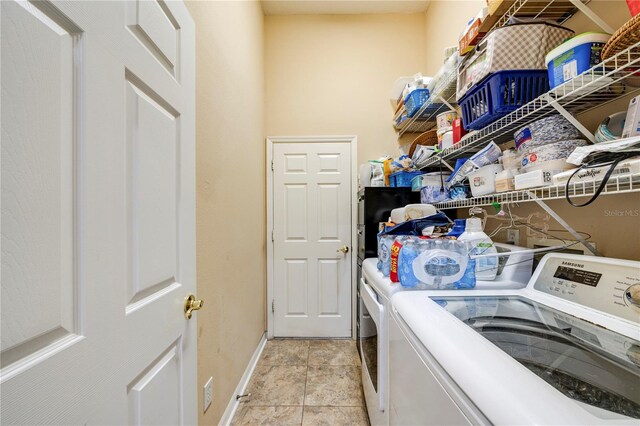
98 213
312 221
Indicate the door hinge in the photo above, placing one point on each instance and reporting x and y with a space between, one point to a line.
272 237
272 167
273 306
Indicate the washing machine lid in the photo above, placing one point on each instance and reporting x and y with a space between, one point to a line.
582 360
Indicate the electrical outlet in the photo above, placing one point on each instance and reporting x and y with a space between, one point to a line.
208 393
513 236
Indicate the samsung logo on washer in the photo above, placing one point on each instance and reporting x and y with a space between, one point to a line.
577 265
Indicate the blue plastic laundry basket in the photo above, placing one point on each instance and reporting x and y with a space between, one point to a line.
403 179
499 94
414 101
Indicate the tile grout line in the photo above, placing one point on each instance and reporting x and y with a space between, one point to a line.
306 377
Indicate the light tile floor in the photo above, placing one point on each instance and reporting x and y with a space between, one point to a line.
305 382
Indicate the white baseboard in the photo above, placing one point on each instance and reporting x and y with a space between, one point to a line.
242 385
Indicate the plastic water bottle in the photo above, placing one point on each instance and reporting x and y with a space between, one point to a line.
486 267
405 263
436 264
384 253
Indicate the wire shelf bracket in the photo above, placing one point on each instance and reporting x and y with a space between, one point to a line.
572 119
563 223
591 15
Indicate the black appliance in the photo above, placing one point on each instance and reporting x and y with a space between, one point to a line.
374 206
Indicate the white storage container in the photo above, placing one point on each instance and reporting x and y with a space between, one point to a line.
432 187
429 179
574 57
483 180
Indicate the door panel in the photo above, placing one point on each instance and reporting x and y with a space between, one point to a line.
152 145
297 279
329 214
38 251
328 287
312 220
98 206
154 25
296 220
159 382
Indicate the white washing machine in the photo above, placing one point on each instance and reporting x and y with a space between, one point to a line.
374 299
564 350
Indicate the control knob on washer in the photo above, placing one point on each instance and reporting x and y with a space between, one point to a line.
632 294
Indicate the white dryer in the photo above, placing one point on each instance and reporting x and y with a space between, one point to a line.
374 303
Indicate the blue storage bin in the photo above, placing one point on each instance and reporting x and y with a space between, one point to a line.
574 57
499 94
403 179
415 100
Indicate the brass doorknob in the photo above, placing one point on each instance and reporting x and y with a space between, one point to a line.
191 304
343 249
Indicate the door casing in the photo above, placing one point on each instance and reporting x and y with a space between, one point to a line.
353 143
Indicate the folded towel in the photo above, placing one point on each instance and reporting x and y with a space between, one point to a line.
398 215
417 211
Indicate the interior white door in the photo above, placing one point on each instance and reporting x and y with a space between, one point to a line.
98 213
312 222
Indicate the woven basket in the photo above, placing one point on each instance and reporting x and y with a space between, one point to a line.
429 138
626 36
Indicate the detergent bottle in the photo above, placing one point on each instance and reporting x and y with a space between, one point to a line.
486 267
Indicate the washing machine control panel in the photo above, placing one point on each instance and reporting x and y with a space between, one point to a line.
608 285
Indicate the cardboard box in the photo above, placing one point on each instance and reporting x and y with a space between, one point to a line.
535 179
471 37
624 168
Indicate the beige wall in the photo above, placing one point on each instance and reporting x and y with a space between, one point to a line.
444 21
230 193
332 74
612 222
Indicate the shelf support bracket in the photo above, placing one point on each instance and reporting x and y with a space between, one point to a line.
442 162
593 16
564 223
566 114
444 101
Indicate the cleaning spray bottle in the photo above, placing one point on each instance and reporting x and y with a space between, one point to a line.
486 267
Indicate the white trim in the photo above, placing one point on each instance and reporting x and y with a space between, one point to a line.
353 141
354 235
232 406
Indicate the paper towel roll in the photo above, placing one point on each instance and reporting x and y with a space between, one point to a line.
417 211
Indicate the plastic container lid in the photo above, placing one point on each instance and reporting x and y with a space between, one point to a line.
588 37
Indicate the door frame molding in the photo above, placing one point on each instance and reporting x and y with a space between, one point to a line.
352 140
